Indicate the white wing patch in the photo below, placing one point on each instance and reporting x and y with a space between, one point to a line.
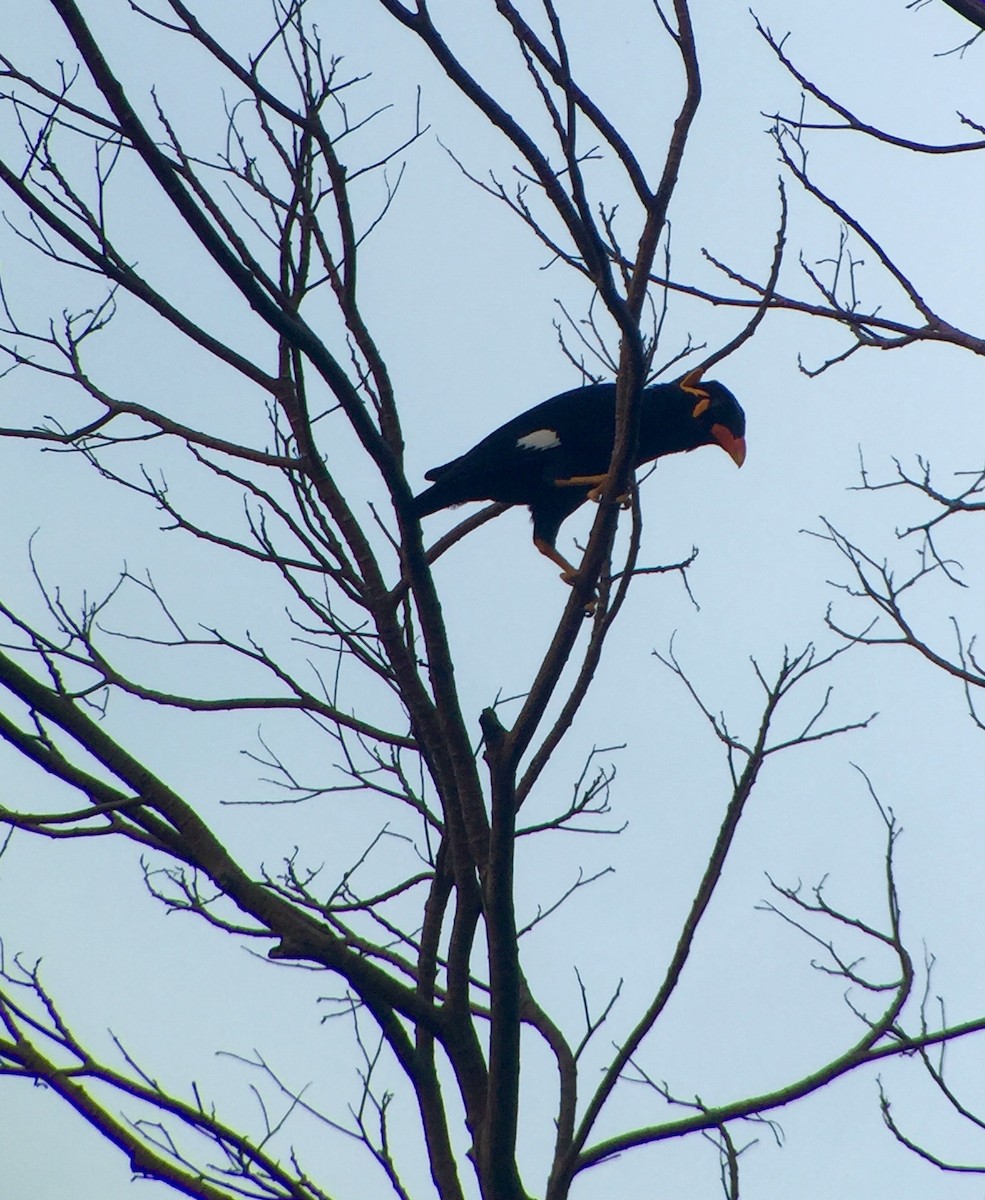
540 439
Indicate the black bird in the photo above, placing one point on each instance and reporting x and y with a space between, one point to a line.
555 456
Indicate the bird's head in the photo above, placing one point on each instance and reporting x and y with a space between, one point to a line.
719 416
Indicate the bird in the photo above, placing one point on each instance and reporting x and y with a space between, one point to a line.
555 456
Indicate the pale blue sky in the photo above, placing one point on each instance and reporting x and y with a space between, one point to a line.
462 307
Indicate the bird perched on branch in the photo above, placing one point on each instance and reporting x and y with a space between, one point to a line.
556 456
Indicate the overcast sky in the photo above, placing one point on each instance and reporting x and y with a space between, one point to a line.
462 304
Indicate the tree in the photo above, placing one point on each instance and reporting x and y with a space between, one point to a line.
285 474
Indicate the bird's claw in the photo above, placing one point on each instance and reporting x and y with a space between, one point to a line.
591 604
595 494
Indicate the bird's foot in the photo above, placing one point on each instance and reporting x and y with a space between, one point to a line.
595 494
592 603
596 485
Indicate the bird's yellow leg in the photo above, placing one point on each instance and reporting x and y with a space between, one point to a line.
596 486
591 481
568 572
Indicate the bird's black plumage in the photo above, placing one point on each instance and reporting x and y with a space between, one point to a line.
569 438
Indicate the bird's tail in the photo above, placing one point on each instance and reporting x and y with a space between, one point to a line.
439 495
431 500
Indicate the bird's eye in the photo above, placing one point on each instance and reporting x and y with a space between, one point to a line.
703 404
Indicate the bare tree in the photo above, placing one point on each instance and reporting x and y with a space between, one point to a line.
423 944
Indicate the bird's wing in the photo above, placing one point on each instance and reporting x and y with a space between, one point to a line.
569 434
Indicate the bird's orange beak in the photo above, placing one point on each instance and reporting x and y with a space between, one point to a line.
734 447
